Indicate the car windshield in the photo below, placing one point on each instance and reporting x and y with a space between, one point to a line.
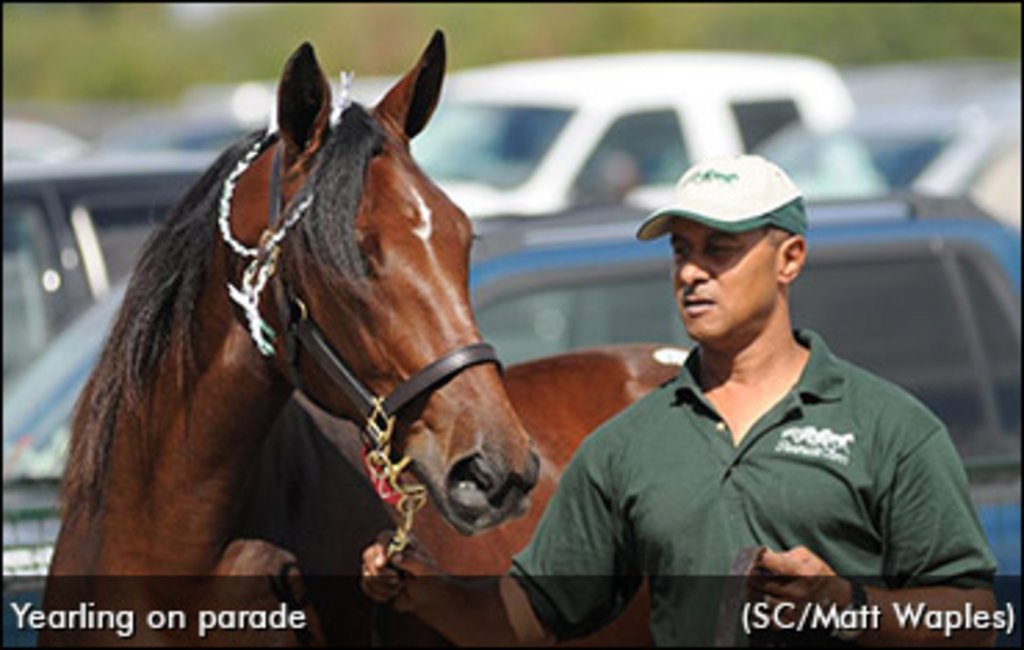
853 163
493 145
835 165
902 158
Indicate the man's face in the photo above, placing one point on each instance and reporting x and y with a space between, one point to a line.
726 285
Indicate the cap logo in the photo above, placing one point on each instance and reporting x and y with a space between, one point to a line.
710 175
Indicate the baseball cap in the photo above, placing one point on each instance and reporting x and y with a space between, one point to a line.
734 194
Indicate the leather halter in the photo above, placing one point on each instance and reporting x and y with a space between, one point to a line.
302 333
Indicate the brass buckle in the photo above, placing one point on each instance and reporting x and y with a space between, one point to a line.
380 425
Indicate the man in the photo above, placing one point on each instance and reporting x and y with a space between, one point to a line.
851 488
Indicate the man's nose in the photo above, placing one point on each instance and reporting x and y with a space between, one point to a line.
690 273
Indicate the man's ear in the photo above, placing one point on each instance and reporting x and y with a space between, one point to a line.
792 255
303 105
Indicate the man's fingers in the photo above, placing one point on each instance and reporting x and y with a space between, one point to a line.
773 562
385 579
374 559
412 560
413 563
382 588
379 581
799 561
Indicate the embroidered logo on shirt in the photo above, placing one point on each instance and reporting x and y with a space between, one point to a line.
816 443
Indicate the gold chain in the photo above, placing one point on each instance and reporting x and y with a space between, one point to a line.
412 497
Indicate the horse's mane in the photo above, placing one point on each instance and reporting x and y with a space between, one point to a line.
156 320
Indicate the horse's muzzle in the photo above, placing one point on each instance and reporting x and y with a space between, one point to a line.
482 495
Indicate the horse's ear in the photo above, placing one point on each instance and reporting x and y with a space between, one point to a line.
411 102
303 103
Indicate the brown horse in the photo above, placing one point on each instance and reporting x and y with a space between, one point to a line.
316 462
355 286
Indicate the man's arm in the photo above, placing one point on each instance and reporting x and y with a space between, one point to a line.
466 611
801 577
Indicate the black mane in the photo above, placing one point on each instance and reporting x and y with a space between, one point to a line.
155 323
327 233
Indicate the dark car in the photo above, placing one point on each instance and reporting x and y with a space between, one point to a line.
71 230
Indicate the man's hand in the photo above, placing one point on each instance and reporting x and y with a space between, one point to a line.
394 581
467 612
797 576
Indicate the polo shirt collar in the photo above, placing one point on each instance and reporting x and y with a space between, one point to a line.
822 378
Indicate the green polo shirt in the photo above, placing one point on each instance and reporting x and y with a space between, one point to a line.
846 464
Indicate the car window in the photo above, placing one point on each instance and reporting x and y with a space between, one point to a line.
834 165
999 335
499 146
903 157
122 222
28 281
537 321
902 319
640 149
760 120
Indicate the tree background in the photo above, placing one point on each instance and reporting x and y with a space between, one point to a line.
152 52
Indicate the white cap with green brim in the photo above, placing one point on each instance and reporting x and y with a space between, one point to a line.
734 194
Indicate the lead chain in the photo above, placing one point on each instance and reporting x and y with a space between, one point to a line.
412 497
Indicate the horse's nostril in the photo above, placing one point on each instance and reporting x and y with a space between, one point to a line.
475 485
527 480
471 473
469 488
532 473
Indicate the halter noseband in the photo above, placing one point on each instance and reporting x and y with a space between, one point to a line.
301 332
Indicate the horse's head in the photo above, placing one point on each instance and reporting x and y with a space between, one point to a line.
375 275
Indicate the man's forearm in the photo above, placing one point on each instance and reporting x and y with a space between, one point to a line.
475 611
890 632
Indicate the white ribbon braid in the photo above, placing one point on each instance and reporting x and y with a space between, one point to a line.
255 278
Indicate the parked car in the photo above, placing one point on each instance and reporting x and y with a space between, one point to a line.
964 147
536 137
72 229
27 141
924 292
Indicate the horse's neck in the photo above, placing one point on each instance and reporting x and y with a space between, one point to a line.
183 467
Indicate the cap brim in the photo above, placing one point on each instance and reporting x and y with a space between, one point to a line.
659 223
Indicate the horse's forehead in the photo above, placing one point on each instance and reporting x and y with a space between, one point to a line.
405 187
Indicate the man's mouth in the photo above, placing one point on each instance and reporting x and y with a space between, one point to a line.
696 306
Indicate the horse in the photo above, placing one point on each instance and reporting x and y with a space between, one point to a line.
317 461
313 256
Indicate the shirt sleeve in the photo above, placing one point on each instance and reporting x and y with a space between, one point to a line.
934 535
578 569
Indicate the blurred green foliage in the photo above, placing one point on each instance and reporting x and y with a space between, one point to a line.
138 51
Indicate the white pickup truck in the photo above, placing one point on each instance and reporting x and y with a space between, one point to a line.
535 137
